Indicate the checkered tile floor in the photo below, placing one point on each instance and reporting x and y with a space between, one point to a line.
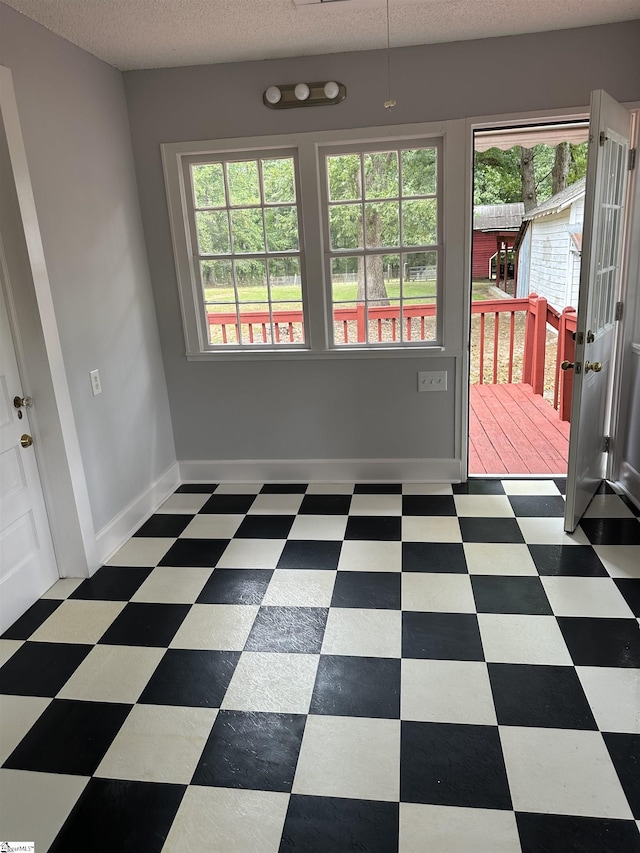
336 668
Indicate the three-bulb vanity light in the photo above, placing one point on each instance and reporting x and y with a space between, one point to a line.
304 95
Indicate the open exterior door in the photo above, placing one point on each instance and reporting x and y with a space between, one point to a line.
603 229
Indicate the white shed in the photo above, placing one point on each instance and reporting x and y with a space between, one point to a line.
549 246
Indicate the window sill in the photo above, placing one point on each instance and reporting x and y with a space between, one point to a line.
433 350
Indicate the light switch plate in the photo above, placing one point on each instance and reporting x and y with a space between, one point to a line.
432 380
96 386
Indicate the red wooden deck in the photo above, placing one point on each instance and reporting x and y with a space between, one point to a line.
514 431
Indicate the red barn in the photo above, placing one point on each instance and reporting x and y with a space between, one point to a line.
495 227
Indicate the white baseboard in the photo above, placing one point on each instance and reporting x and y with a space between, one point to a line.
630 482
114 534
321 470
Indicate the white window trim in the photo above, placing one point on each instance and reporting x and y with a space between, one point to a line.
316 299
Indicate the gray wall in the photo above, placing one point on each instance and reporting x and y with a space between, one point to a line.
74 121
339 408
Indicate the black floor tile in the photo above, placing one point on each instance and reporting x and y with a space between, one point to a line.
145 625
330 825
41 669
223 504
196 489
288 629
195 552
370 590
378 528
441 636
112 583
567 561
378 489
235 586
540 696
630 504
284 489
612 531
325 505
624 750
164 524
510 595
32 619
605 489
453 765
490 530
428 505
601 642
630 589
251 750
116 815
561 483
69 737
265 527
191 678
479 487
445 557
541 506
357 687
546 833
310 554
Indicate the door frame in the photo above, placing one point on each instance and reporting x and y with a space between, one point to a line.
41 366
533 118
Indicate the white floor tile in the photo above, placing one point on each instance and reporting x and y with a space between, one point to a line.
223 820
437 593
368 633
449 829
300 588
511 638
483 506
352 757
223 627
17 715
50 796
364 556
62 588
112 674
184 502
167 585
276 505
621 561
497 558
158 743
78 621
252 554
571 596
444 691
8 648
608 506
562 771
549 531
614 696
431 528
142 551
325 527
530 487
376 505
280 683
212 526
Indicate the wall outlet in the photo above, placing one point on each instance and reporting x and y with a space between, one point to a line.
96 386
432 380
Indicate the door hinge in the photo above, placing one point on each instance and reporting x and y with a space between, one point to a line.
632 159
619 310
606 444
603 137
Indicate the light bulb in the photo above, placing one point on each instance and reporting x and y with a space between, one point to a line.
273 94
301 91
331 90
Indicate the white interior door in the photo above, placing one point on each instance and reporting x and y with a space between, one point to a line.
603 228
27 561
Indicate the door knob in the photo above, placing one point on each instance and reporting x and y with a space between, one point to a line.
567 365
20 402
596 366
26 440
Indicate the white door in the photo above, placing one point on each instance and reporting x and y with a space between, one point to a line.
603 228
27 560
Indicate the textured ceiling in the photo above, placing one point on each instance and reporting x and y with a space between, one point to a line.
161 33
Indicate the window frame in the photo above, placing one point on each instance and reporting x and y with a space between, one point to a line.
454 150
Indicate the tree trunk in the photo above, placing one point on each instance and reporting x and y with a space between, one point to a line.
528 178
561 163
375 287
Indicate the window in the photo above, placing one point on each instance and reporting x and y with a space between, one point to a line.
362 272
245 242
382 241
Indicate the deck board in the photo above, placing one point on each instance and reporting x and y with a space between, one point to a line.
514 431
